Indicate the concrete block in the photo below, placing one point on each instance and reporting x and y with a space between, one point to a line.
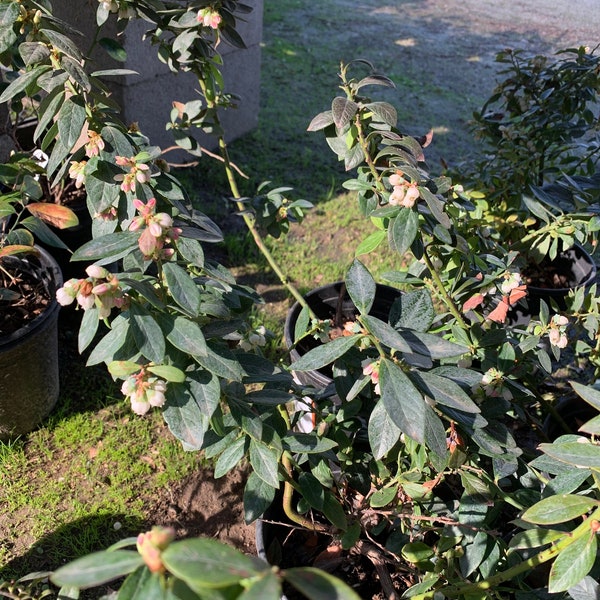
147 97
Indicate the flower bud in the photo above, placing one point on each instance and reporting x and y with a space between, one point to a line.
97 272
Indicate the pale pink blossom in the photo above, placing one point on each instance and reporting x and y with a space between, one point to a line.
209 18
77 172
372 370
95 144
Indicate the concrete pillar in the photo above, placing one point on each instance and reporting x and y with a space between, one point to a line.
147 98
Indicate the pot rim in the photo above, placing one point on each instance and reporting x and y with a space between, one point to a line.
51 265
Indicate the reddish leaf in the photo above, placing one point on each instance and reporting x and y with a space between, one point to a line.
55 214
16 249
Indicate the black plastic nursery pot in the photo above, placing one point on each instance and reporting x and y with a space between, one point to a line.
327 302
572 268
29 382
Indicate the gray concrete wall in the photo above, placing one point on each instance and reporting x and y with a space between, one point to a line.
147 98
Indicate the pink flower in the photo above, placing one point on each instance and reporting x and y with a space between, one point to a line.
209 18
404 193
372 370
144 391
139 172
77 172
157 228
94 145
558 331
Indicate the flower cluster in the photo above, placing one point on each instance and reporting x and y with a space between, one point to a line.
77 172
138 171
254 339
125 12
144 390
157 231
209 18
101 289
512 280
558 331
372 370
492 385
152 543
94 145
404 193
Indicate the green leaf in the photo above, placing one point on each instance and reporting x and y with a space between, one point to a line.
383 496
386 334
122 368
319 585
308 443
415 311
113 48
588 393
185 419
321 121
108 347
431 345
9 13
266 587
221 362
183 288
168 373
580 454
534 538
403 231
191 250
88 328
302 323
334 511
383 432
371 242
204 562
71 119
229 458
205 389
343 111
384 112
265 462
187 336
97 568
407 408
258 496
110 246
62 43
326 354
33 52
573 563
22 82
586 589
312 491
147 334
76 72
48 109
445 391
269 397
8 38
558 509
361 286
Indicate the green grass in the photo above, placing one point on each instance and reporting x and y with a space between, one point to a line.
85 479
